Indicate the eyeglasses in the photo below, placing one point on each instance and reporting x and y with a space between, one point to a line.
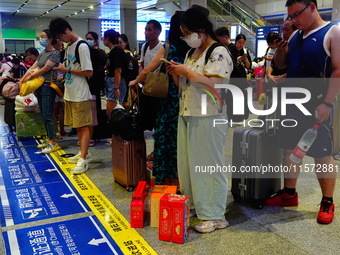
296 15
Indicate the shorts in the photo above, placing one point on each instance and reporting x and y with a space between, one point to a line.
78 114
94 113
110 90
288 137
58 99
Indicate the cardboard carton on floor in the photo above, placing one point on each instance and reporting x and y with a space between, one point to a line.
174 218
157 194
137 205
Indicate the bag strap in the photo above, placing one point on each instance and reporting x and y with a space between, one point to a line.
165 56
146 45
209 51
166 50
77 51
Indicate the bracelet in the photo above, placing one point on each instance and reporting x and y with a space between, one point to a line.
327 104
186 73
69 71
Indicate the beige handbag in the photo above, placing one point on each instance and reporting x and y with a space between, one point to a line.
157 83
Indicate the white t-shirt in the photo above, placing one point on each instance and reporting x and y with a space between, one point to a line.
149 54
76 87
5 69
219 64
270 53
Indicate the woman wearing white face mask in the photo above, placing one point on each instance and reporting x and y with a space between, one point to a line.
47 60
200 142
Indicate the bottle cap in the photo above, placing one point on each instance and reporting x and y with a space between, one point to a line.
316 125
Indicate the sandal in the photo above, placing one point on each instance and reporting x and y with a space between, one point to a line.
59 136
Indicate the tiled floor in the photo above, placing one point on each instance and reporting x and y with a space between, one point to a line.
272 230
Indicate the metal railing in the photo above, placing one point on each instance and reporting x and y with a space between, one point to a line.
240 12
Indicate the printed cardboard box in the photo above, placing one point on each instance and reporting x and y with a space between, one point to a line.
137 205
157 194
174 218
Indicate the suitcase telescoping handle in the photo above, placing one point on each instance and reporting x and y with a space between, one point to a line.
271 119
242 186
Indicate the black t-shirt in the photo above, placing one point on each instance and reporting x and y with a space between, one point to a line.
277 71
117 59
233 50
97 81
19 72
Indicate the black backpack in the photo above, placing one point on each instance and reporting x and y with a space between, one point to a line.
97 81
227 97
131 68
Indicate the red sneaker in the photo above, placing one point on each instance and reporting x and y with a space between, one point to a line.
282 198
326 213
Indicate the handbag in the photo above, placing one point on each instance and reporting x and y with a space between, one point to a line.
126 124
58 85
28 103
157 83
31 85
10 90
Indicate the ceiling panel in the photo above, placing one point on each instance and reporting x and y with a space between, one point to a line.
102 9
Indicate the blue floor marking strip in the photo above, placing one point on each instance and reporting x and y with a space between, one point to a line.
33 187
78 236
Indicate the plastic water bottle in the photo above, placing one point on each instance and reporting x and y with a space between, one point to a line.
130 66
304 144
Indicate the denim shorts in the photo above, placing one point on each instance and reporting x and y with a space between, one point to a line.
110 90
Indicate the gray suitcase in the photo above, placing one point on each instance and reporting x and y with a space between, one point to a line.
254 149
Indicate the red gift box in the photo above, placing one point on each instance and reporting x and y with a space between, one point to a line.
174 217
137 205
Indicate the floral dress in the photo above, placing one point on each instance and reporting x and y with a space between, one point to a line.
165 138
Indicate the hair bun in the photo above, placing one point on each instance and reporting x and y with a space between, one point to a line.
200 8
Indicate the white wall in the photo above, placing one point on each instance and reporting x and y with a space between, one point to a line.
79 26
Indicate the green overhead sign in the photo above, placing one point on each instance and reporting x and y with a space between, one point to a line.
9 33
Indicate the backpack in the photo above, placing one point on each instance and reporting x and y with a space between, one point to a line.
145 48
131 69
227 97
97 81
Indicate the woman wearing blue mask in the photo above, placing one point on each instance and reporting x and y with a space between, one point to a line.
47 60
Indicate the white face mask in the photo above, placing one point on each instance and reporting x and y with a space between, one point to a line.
193 41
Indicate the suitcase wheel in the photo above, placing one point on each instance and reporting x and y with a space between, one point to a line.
130 188
237 198
258 204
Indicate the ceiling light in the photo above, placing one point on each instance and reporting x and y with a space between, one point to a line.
91 7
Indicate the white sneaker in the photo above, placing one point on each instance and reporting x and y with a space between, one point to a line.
42 145
81 167
210 225
74 159
50 148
